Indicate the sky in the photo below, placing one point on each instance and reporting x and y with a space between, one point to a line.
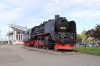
86 13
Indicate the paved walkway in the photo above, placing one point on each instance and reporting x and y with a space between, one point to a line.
13 55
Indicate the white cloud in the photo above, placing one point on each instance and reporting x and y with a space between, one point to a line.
4 29
76 7
10 15
34 12
3 6
31 22
86 14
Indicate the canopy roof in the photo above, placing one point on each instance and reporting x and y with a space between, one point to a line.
19 27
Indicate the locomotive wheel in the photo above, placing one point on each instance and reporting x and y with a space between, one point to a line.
43 47
31 45
35 46
28 44
47 48
40 47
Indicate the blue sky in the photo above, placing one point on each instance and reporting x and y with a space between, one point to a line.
86 13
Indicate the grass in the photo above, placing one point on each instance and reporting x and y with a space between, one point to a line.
90 50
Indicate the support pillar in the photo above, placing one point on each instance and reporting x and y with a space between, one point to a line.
14 36
9 39
20 37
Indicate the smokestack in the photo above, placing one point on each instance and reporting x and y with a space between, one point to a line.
64 17
57 16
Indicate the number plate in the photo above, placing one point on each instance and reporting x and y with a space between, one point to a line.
63 28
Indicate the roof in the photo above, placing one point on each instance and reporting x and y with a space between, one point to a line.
19 27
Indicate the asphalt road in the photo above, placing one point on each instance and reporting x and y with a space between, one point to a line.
12 55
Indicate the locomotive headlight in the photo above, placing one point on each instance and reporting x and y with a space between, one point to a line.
62 28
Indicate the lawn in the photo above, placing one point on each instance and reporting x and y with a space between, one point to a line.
90 50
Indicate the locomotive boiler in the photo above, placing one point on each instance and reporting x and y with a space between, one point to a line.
58 33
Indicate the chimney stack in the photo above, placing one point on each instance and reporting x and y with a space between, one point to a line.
57 16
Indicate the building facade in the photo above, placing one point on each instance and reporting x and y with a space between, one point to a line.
16 36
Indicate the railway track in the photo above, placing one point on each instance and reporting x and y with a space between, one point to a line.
53 52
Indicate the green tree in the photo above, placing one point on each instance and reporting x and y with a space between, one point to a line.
84 36
79 37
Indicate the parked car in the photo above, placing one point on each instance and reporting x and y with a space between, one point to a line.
96 44
80 44
88 44
91 44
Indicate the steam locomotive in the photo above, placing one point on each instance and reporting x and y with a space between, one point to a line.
58 33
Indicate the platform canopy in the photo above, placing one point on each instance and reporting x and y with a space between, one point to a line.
19 27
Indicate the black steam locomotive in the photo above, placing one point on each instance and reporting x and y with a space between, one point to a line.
57 33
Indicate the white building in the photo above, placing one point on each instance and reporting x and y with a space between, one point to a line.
16 36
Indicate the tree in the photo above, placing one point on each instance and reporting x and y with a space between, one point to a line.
82 37
83 34
95 33
79 37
